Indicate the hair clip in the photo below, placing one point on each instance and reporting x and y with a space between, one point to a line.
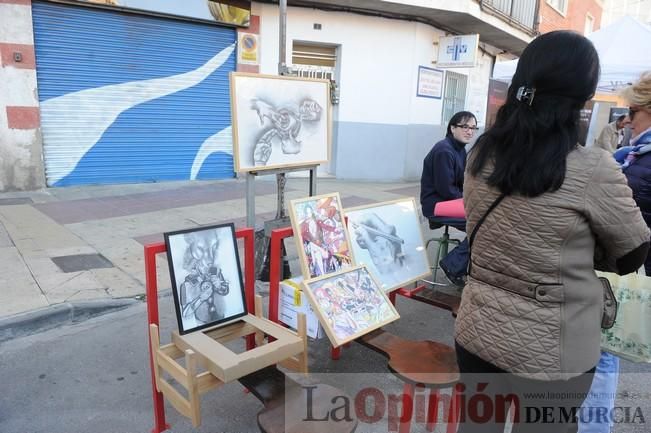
525 94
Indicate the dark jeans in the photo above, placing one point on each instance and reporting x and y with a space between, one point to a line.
542 406
456 262
647 265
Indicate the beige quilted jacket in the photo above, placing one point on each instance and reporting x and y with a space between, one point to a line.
533 304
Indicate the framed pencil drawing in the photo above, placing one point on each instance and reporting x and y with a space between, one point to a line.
206 276
387 238
279 121
349 304
321 238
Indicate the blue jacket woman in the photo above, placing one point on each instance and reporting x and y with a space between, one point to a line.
637 164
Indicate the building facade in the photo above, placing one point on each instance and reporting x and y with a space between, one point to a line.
583 16
106 95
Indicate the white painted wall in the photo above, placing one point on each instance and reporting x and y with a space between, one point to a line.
378 71
16 24
425 111
379 61
21 166
372 52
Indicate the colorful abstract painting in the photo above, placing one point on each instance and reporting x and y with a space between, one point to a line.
349 304
321 238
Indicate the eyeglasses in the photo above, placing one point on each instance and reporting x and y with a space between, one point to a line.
631 112
467 128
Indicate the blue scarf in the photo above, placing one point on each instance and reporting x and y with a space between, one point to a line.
644 139
642 146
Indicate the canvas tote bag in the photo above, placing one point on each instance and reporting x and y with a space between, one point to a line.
630 337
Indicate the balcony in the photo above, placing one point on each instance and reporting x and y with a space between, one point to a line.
506 24
520 13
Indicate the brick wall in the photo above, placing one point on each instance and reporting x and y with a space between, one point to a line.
574 19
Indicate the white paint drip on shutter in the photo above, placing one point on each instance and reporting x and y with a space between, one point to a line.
220 142
78 117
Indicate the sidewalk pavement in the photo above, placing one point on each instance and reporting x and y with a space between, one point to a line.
71 253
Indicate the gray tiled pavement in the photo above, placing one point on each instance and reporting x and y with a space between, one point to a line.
116 221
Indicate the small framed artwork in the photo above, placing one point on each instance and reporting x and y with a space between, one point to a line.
206 276
279 121
349 304
387 239
321 238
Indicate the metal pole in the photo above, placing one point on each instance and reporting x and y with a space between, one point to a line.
282 52
282 66
312 181
281 178
250 200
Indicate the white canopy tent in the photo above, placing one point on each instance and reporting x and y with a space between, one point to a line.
623 53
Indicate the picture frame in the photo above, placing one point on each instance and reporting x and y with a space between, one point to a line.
279 121
320 233
349 304
206 276
387 237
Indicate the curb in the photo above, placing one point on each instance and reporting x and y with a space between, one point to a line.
33 322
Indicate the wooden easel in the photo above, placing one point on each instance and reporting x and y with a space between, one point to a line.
163 359
207 349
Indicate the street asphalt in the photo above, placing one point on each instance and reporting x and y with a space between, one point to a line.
73 343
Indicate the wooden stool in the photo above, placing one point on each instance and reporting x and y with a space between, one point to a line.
195 383
278 393
419 363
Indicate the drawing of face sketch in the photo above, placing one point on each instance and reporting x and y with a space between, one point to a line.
203 290
282 126
384 246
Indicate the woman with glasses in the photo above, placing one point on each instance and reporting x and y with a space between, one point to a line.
604 386
442 180
637 163
542 214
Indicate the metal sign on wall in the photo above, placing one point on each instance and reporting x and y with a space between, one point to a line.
248 49
458 51
233 12
430 83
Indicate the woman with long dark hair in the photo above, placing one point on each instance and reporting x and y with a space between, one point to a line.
542 214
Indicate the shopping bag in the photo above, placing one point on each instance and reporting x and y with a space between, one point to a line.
630 337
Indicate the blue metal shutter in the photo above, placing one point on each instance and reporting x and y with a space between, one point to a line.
132 98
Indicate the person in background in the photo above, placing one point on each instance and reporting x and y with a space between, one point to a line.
627 133
539 208
637 164
442 180
612 134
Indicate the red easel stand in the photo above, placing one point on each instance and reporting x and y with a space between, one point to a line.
275 262
151 291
